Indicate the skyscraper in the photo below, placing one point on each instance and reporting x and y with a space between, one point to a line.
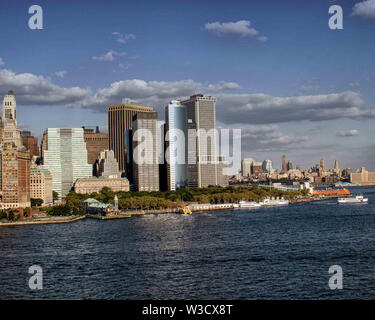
120 118
284 164
9 107
267 166
246 166
336 165
15 160
176 144
30 143
96 142
64 155
289 165
201 114
145 160
322 165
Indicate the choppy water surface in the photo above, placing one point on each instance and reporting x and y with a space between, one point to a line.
274 253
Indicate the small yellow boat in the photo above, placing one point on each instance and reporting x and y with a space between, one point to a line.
185 211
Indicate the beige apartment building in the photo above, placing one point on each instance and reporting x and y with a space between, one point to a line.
41 185
91 185
363 177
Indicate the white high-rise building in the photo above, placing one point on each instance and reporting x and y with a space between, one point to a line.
177 147
246 166
64 155
9 107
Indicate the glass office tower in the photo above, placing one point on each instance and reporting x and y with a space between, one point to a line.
177 146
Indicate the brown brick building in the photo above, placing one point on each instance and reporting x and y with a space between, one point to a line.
31 143
96 142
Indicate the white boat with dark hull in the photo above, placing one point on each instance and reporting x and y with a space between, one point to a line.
353 200
274 202
246 205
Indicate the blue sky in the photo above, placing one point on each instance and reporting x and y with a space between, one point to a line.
293 85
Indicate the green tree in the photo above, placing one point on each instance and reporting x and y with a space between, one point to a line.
55 196
36 202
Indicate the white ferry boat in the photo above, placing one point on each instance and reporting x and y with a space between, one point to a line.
352 200
274 202
246 205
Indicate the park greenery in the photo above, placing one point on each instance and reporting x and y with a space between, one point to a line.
74 204
169 199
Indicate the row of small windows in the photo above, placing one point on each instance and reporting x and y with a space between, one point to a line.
8 103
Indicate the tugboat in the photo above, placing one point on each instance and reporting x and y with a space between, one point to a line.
246 205
353 200
185 211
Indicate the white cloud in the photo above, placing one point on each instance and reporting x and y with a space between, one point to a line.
261 108
364 9
349 133
2 63
61 74
155 93
241 28
120 38
109 56
32 90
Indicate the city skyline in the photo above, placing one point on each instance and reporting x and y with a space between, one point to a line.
308 95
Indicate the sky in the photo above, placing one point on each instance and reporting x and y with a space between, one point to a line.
293 85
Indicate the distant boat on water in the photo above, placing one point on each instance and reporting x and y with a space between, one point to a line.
247 205
353 200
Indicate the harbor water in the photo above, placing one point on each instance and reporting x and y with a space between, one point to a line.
270 253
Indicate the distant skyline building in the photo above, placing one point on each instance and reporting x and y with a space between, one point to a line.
322 165
246 166
120 119
267 166
64 155
176 132
284 165
289 165
145 161
336 165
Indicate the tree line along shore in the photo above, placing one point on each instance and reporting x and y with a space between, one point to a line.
159 200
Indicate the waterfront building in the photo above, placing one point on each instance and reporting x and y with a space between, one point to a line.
120 118
64 155
41 185
14 159
145 155
176 145
222 178
284 164
15 175
94 184
30 143
246 166
108 166
201 115
96 142
267 166
363 177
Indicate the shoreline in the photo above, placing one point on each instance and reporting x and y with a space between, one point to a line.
52 220
129 214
